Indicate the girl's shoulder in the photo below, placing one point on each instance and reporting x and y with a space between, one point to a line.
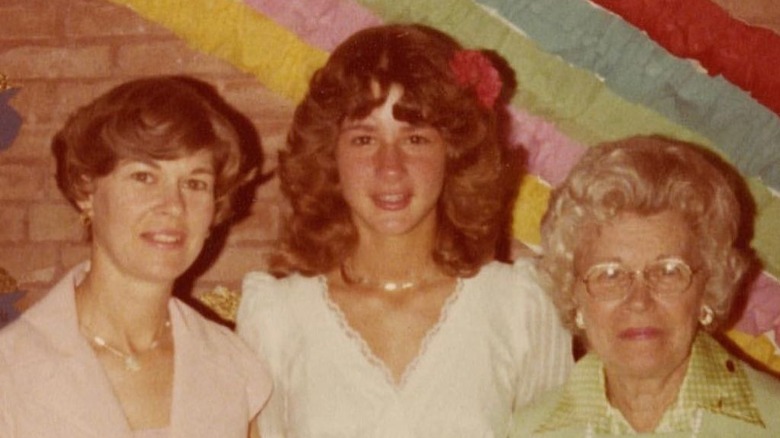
510 281
263 289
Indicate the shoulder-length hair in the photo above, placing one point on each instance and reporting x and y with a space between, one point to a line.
320 233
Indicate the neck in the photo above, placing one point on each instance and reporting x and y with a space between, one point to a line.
391 263
643 401
129 315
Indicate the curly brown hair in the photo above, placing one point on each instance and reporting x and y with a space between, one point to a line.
471 209
647 175
161 118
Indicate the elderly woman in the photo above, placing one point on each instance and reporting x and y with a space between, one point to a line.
642 257
108 352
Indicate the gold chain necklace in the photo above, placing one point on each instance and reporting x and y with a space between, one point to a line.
351 279
130 360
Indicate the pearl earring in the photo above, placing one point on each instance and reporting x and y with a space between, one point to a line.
579 320
706 316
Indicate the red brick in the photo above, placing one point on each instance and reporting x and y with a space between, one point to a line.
32 4
262 225
51 191
172 56
27 20
234 263
62 54
49 103
12 218
73 254
55 222
29 262
257 102
273 142
32 144
20 182
93 18
269 191
37 62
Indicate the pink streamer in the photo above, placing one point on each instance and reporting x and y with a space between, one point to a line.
551 154
321 23
762 310
325 23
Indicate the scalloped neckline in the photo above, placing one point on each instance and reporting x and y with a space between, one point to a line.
355 338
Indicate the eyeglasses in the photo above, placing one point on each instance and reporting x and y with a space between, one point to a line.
613 281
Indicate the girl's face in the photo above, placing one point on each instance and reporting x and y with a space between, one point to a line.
391 172
150 218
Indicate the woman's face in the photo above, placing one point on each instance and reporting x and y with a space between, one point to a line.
150 218
641 334
391 172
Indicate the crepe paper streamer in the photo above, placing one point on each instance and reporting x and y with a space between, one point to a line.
546 76
322 23
643 72
747 56
235 32
757 347
265 30
573 99
763 13
762 310
529 208
532 199
766 240
551 154
10 120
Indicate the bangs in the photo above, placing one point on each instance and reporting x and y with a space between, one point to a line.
410 108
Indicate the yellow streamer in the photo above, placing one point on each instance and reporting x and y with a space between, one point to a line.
237 33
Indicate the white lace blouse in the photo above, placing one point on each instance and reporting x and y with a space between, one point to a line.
497 345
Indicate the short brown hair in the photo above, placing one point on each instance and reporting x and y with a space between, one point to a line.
161 118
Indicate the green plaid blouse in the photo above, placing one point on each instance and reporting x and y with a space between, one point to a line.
714 382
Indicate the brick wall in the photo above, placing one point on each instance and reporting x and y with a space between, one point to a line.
62 54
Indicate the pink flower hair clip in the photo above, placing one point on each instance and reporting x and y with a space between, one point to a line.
473 69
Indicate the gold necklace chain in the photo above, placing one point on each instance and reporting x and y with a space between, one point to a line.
130 360
351 279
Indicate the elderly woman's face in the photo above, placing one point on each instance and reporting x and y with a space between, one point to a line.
644 333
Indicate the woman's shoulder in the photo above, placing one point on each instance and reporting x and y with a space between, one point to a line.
263 283
261 290
527 419
510 281
271 310
766 391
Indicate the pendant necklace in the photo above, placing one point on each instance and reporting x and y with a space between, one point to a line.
130 360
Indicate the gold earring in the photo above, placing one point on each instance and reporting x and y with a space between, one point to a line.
706 315
86 218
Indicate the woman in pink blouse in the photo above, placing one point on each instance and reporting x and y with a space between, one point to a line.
151 166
